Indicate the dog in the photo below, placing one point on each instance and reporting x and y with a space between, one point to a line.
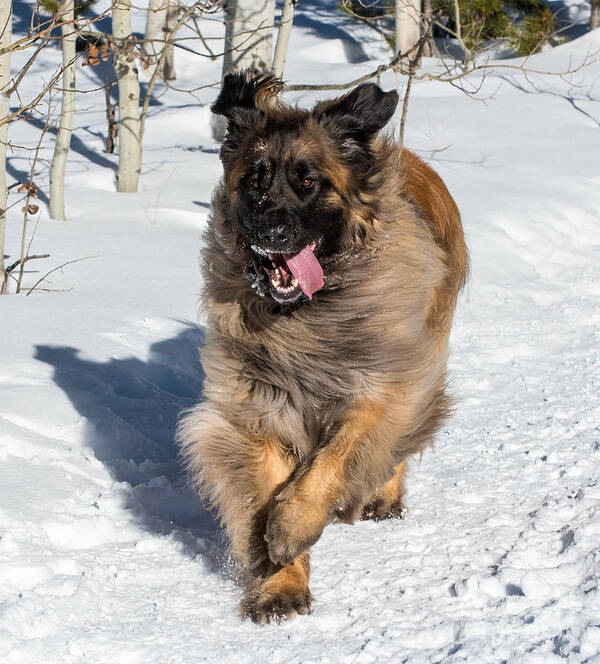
332 263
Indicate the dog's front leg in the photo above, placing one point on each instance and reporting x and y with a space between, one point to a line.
240 473
274 592
337 481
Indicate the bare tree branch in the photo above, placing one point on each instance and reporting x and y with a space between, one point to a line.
59 267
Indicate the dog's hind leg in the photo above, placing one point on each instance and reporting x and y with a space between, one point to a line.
387 501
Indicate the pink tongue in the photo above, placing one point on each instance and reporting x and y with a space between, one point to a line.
307 269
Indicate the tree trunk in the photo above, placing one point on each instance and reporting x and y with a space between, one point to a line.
63 138
283 37
129 100
595 15
156 25
428 44
5 40
408 27
248 41
160 22
248 35
169 63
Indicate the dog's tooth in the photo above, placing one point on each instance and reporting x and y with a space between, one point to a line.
258 250
295 283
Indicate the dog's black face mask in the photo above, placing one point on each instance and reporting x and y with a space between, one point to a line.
287 171
287 217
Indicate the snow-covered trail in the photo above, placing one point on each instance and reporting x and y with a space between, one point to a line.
107 556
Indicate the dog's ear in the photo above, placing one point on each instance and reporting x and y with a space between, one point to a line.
245 97
360 113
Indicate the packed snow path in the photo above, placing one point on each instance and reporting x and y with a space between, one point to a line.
107 556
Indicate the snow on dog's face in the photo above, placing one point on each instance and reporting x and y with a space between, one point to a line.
295 178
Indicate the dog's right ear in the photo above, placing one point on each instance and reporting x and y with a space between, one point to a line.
245 97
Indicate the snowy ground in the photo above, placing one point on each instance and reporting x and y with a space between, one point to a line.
106 556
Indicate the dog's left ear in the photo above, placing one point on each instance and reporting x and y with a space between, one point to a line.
245 97
361 113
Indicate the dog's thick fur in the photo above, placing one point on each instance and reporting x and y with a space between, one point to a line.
312 409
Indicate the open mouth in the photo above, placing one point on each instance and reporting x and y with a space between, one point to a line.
292 275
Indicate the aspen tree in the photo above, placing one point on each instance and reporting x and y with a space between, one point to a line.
5 40
129 100
66 12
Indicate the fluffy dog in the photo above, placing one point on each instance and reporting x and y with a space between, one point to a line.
332 263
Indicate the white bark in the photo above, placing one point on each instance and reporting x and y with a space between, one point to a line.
595 15
156 23
160 22
428 44
169 63
129 102
5 40
408 26
283 37
63 138
248 35
248 41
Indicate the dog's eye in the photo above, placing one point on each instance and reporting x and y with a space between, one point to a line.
254 183
307 183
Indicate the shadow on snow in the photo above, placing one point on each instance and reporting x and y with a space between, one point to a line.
131 408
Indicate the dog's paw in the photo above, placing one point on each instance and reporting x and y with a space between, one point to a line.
264 606
380 509
292 527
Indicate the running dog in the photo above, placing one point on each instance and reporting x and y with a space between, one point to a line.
332 263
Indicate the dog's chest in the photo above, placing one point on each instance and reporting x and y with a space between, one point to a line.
321 360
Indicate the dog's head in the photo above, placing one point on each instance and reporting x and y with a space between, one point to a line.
293 176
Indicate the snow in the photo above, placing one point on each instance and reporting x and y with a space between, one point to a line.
105 553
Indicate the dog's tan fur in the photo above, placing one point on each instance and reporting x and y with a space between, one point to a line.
310 416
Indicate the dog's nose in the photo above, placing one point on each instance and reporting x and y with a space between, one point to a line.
272 234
